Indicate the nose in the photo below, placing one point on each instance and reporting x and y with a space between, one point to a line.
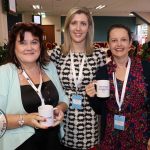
119 43
78 27
29 46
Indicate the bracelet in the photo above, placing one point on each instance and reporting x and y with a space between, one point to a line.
21 120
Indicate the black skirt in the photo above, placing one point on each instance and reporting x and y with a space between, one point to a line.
43 139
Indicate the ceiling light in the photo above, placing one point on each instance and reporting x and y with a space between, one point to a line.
131 14
100 6
36 6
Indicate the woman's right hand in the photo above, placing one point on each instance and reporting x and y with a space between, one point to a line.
90 89
33 120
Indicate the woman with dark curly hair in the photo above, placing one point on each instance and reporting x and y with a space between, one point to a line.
27 79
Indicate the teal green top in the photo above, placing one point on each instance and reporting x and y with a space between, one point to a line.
11 103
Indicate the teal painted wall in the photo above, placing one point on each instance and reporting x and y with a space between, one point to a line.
102 23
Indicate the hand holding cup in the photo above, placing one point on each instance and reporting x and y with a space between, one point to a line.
47 111
102 88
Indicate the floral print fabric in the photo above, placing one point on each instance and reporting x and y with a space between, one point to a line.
134 137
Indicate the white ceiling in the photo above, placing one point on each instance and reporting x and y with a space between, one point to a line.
60 7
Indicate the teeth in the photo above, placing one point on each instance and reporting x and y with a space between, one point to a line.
78 34
119 49
29 53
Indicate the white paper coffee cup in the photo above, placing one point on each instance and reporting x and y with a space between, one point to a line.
47 111
102 88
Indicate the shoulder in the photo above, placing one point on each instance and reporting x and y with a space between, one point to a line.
50 66
99 56
56 51
99 51
7 68
56 54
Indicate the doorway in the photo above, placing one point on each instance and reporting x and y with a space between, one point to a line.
49 34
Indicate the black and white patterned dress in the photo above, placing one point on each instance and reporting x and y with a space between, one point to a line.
80 126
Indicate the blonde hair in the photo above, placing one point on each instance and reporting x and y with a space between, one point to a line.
90 35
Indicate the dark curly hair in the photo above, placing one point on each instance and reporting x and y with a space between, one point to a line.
20 29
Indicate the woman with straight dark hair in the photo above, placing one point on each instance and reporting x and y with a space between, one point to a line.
127 111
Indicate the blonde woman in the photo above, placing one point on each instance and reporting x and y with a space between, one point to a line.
76 63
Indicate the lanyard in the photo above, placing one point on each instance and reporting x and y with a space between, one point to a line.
79 80
38 90
119 102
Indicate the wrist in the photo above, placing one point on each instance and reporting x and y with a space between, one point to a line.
21 120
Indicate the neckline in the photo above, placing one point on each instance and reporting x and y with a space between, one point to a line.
78 53
45 82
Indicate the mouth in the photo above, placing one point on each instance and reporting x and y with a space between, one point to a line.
78 34
31 53
119 49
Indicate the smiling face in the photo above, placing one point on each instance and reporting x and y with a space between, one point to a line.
78 28
119 42
28 50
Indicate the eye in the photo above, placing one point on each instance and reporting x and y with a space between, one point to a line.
73 23
35 42
22 42
113 40
124 39
84 23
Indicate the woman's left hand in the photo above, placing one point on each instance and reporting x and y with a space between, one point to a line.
58 116
148 144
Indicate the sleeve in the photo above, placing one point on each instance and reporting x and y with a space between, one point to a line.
99 104
4 87
62 96
146 69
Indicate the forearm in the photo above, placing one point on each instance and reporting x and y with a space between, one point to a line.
31 119
13 121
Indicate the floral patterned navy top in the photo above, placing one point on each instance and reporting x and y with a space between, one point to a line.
135 108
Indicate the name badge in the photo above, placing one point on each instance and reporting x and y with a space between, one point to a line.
119 122
76 101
